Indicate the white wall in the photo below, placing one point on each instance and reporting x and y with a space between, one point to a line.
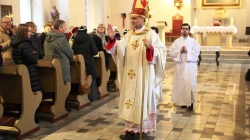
36 10
15 9
76 13
95 14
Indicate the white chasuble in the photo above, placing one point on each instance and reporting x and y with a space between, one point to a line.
185 72
137 76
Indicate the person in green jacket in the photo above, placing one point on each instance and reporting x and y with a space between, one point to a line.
56 46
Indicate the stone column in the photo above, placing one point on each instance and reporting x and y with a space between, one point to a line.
161 25
198 37
229 40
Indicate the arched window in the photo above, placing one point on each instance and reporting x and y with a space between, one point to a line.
25 11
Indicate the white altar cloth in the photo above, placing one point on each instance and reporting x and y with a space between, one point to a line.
214 29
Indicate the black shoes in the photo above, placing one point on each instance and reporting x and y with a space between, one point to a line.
127 136
190 108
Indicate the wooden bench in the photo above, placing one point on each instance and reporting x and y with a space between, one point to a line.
55 91
113 68
215 49
103 74
82 100
15 89
1 109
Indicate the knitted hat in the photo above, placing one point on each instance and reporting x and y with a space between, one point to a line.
83 28
75 29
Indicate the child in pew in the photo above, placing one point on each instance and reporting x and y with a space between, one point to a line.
24 53
83 44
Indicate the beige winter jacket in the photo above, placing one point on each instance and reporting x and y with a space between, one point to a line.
5 42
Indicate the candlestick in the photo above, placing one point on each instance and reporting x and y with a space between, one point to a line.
195 21
232 21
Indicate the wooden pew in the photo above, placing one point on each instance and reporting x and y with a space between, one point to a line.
1 110
113 68
16 91
82 100
50 73
103 74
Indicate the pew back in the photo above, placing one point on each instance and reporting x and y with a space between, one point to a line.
15 88
76 78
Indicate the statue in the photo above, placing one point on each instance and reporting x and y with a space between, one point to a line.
54 14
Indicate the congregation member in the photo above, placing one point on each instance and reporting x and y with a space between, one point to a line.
25 53
74 33
56 46
69 34
47 28
139 56
5 34
1 58
100 39
185 52
35 39
84 44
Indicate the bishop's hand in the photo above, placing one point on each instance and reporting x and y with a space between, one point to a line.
111 32
147 43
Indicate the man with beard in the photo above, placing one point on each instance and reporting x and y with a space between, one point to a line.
184 51
140 59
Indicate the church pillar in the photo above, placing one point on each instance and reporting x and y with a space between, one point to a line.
161 25
229 40
198 37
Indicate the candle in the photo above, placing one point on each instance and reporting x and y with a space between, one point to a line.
232 21
195 21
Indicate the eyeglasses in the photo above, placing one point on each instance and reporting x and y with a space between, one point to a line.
6 22
185 28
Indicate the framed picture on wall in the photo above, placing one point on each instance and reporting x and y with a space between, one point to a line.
6 10
221 3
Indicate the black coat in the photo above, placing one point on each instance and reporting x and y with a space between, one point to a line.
36 43
83 44
23 53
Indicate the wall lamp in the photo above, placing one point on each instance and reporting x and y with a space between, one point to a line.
178 3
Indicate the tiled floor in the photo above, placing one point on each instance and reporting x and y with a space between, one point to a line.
221 113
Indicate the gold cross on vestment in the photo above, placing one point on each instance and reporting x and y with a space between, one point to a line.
135 44
131 74
128 103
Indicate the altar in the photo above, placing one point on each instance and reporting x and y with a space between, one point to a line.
213 34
